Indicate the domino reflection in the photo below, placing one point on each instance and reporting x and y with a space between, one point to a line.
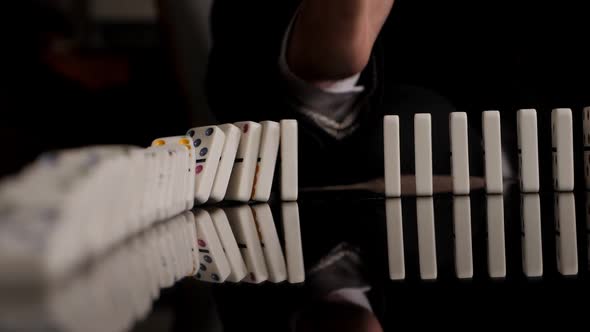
111 293
395 239
496 247
462 235
426 237
530 222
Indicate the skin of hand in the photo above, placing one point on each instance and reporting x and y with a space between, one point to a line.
333 39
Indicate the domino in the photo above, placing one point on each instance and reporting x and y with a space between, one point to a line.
189 180
563 150
528 152
228 156
213 266
586 125
269 240
423 154
565 233
395 239
532 250
391 159
459 152
289 160
496 237
293 245
242 175
267 158
208 142
462 234
492 141
243 226
426 238
230 245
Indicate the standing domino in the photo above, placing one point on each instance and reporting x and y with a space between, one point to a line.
459 153
423 154
242 175
391 156
228 156
563 151
289 158
267 159
208 142
528 150
492 142
587 146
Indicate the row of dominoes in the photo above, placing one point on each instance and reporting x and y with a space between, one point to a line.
528 154
241 243
234 244
531 238
237 161
77 203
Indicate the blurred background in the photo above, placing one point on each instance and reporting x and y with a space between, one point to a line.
79 72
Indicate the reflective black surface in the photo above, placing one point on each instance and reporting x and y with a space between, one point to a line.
462 265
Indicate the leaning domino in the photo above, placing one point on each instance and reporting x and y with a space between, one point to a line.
228 156
242 175
267 158
213 266
208 142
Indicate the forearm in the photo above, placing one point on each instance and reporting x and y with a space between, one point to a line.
333 39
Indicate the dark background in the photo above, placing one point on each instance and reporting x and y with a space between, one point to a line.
72 79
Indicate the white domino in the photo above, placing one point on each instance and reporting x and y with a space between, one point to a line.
214 266
243 226
563 151
269 240
565 233
208 142
230 245
267 159
586 123
391 156
242 175
228 157
496 237
528 150
426 238
423 154
459 152
532 249
462 232
492 142
395 239
289 159
293 244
